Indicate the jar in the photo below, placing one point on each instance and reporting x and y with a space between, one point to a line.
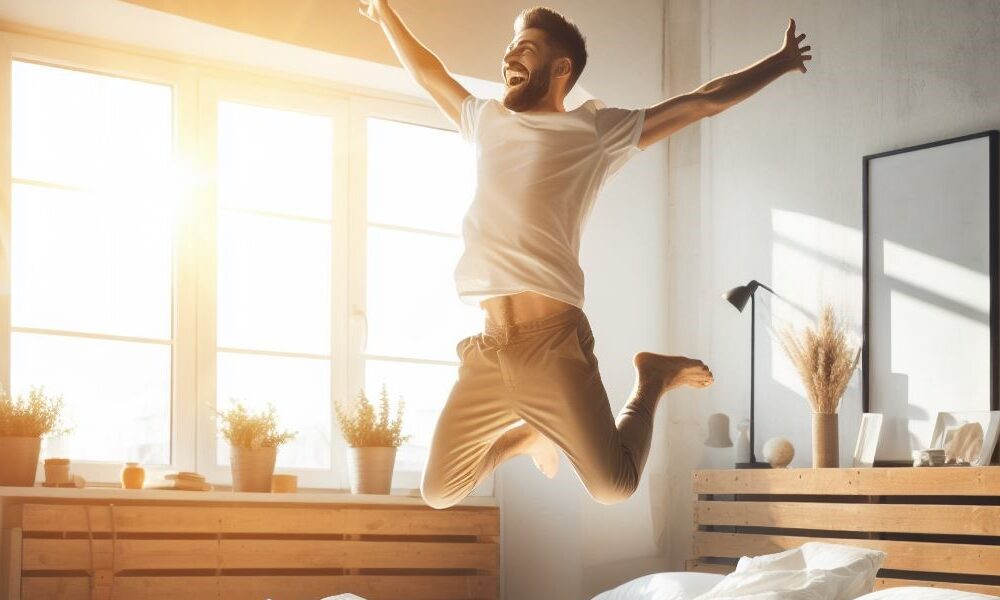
57 471
133 476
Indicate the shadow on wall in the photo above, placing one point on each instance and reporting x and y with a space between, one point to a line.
815 261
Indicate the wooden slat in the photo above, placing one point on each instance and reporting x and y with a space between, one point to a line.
11 562
889 518
293 587
262 520
706 567
882 582
900 481
137 554
968 559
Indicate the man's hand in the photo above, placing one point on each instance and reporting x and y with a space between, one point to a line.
790 52
372 9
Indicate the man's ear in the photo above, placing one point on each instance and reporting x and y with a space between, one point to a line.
563 68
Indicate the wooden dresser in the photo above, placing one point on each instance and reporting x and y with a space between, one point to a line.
939 526
158 545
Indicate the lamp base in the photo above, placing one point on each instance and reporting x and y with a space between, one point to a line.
753 465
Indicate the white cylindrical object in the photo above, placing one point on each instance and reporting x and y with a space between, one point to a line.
370 469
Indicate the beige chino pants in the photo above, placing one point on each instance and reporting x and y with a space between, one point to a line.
545 373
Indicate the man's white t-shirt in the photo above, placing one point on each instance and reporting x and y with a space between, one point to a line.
538 175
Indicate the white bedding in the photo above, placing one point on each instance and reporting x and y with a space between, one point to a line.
816 571
663 586
924 593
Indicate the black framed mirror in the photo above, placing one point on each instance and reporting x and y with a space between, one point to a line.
930 316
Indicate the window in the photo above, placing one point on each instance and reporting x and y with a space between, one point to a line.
419 181
180 239
91 257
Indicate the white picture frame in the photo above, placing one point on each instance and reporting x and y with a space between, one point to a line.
989 420
868 437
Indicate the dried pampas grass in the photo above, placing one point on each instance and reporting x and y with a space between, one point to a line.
823 359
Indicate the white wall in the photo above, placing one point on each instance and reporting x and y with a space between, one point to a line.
771 189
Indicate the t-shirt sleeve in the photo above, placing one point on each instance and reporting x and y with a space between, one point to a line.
472 108
618 130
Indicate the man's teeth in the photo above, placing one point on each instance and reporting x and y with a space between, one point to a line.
515 79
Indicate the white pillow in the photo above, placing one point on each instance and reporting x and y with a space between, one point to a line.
924 593
662 586
816 571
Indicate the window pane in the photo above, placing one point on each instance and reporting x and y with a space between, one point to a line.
299 390
94 263
413 309
418 176
274 284
116 394
78 128
424 389
275 160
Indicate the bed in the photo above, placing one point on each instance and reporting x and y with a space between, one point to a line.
938 529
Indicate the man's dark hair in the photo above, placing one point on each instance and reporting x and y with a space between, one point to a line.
563 36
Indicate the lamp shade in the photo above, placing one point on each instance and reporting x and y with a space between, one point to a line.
718 431
738 296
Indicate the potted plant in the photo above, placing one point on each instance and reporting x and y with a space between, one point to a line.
253 445
23 423
825 362
372 443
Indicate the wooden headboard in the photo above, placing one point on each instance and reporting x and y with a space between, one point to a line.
939 526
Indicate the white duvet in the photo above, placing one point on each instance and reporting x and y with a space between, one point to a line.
816 571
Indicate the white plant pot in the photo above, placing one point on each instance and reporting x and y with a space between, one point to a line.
252 468
370 469
20 460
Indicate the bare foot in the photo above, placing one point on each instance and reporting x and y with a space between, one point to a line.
543 452
658 371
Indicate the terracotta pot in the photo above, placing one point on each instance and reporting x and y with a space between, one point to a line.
826 451
370 469
252 468
20 460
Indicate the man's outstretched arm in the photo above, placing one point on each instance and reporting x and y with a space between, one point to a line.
426 68
719 94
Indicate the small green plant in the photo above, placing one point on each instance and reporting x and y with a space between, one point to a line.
245 429
362 429
35 416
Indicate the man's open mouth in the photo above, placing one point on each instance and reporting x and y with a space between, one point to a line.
515 78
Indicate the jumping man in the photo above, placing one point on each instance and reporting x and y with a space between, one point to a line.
529 383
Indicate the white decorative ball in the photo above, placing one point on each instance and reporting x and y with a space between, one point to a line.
779 452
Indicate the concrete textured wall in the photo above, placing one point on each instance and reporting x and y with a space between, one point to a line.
771 189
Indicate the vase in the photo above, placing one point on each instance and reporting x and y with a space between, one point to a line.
20 460
370 469
252 468
826 451
132 476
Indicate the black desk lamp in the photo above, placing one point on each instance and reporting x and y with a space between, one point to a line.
738 297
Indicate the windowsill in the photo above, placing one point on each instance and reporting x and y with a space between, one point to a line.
398 497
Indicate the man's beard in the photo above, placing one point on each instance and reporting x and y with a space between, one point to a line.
530 93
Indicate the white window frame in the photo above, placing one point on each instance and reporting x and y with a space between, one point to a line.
425 115
196 89
315 102
182 83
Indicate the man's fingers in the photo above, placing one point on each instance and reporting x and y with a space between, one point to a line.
806 57
806 48
800 38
